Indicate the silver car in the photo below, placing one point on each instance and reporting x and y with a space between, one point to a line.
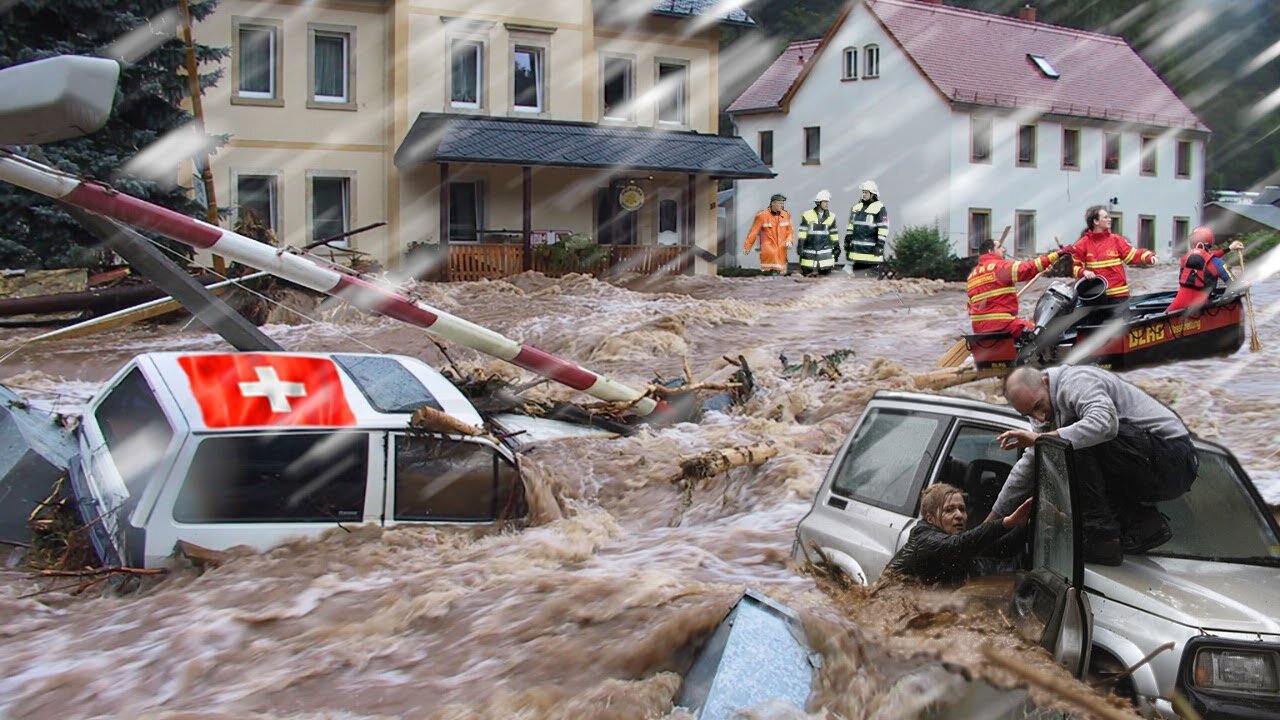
1213 591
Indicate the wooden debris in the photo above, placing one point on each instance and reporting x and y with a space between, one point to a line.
1070 692
714 462
949 377
95 572
662 391
433 420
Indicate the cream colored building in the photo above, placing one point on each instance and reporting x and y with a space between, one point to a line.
524 121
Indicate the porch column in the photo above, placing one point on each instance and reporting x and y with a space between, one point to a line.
526 174
691 214
444 221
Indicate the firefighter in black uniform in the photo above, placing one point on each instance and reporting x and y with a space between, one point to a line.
867 231
819 238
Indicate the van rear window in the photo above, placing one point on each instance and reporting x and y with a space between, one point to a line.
298 477
135 429
386 384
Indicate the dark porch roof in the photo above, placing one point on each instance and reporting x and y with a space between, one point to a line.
438 137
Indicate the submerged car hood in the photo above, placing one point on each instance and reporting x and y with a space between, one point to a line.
1198 593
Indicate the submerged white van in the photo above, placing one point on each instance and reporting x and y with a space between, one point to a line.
225 449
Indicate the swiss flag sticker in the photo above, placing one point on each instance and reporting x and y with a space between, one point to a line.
249 389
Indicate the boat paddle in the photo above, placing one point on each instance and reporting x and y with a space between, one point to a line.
1254 343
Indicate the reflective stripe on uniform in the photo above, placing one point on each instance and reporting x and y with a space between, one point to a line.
992 293
991 316
1121 290
864 257
1091 264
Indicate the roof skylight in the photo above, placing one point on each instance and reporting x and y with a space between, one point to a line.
1043 63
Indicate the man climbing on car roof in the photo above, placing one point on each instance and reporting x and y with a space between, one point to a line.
1131 451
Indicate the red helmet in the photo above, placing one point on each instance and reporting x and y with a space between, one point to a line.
1201 236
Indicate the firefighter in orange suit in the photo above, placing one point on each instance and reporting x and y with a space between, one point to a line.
1202 268
993 294
774 230
1103 254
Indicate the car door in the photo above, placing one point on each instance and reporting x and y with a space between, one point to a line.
1049 606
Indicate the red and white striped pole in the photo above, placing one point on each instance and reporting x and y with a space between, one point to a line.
106 201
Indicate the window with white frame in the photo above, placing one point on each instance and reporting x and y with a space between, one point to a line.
673 89
256 61
812 145
1148 155
1181 232
849 64
1027 145
618 87
1110 152
1147 232
1182 160
871 61
466 73
330 207
1024 234
256 200
979 138
979 228
529 77
1070 148
765 138
332 66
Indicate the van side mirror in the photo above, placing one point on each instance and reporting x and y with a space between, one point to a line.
56 99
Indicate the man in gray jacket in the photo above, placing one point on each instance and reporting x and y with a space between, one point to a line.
1130 451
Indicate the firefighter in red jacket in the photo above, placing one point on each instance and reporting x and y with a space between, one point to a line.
993 297
1202 268
1103 254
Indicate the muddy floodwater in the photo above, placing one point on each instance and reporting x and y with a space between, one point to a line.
586 613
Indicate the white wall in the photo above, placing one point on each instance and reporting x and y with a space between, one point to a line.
1060 197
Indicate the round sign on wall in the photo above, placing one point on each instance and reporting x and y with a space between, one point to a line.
631 198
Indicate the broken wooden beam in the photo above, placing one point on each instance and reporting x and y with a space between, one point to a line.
715 462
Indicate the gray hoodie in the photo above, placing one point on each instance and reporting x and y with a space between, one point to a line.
1088 403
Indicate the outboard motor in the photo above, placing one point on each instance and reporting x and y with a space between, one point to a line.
1057 311
1058 299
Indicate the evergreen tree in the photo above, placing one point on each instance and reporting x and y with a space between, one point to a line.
34 231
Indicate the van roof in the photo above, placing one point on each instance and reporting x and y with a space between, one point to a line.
223 391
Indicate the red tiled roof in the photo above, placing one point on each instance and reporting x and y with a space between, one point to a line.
979 58
982 59
767 91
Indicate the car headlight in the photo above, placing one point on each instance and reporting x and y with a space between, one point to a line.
1236 670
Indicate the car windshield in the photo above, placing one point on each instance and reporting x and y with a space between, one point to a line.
1219 519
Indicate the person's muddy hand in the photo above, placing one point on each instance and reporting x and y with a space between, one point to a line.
1020 517
1235 246
1010 439
1088 275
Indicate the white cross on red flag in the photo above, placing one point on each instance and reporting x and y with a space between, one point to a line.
247 389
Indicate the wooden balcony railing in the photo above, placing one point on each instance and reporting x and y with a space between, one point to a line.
481 261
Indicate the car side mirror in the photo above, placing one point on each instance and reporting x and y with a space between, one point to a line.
56 99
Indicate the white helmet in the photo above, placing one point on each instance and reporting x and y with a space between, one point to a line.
822 196
870 186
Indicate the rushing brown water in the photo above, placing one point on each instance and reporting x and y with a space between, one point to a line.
587 613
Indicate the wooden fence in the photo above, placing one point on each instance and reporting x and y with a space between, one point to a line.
490 261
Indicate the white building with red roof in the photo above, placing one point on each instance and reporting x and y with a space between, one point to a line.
975 121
